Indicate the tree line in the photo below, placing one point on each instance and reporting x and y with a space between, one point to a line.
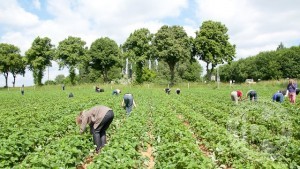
170 47
269 65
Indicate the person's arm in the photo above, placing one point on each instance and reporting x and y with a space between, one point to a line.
122 103
134 103
83 124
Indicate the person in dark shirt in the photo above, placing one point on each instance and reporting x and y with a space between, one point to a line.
167 90
292 89
252 95
178 91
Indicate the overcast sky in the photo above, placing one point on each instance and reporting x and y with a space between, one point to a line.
254 25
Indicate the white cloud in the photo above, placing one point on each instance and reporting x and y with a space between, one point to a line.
254 25
12 16
36 4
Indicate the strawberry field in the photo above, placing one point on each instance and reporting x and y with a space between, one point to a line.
200 128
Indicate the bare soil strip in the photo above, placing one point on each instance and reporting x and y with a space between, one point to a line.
149 155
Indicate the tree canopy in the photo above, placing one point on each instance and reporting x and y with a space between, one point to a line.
104 54
70 53
137 49
10 61
171 45
39 56
212 45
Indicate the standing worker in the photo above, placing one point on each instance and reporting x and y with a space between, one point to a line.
278 97
99 118
63 86
22 89
292 89
252 95
236 96
116 92
128 103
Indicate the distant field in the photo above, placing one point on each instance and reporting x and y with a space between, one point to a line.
200 128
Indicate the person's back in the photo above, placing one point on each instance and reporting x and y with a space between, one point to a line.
128 102
178 91
236 95
116 92
278 97
252 95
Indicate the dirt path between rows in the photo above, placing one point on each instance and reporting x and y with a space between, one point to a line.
149 155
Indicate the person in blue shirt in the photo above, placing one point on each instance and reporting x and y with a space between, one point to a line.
278 97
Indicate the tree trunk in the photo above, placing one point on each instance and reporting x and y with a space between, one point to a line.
14 82
208 73
105 76
72 75
40 77
172 73
139 72
6 78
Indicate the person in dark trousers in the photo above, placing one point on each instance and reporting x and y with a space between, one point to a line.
252 95
236 96
98 118
22 90
278 97
116 92
178 91
167 90
63 86
71 95
128 103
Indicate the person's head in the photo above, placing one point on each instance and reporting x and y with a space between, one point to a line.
79 118
291 81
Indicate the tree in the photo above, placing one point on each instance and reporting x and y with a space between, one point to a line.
10 61
59 79
137 48
171 44
280 46
70 52
104 54
212 46
189 71
19 66
38 57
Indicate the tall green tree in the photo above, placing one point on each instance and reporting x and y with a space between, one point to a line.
10 61
137 49
104 54
212 45
18 67
171 44
70 53
38 57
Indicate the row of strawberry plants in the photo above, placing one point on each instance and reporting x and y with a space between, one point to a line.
126 144
255 132
69 150
174 144
227 149
260 136
24 140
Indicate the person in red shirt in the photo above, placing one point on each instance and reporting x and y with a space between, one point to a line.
236 96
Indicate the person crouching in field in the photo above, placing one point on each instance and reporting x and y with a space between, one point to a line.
128 103
116 92
22 90
252 95
99 118
278 97
292 88
167 90
236 96
178 91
